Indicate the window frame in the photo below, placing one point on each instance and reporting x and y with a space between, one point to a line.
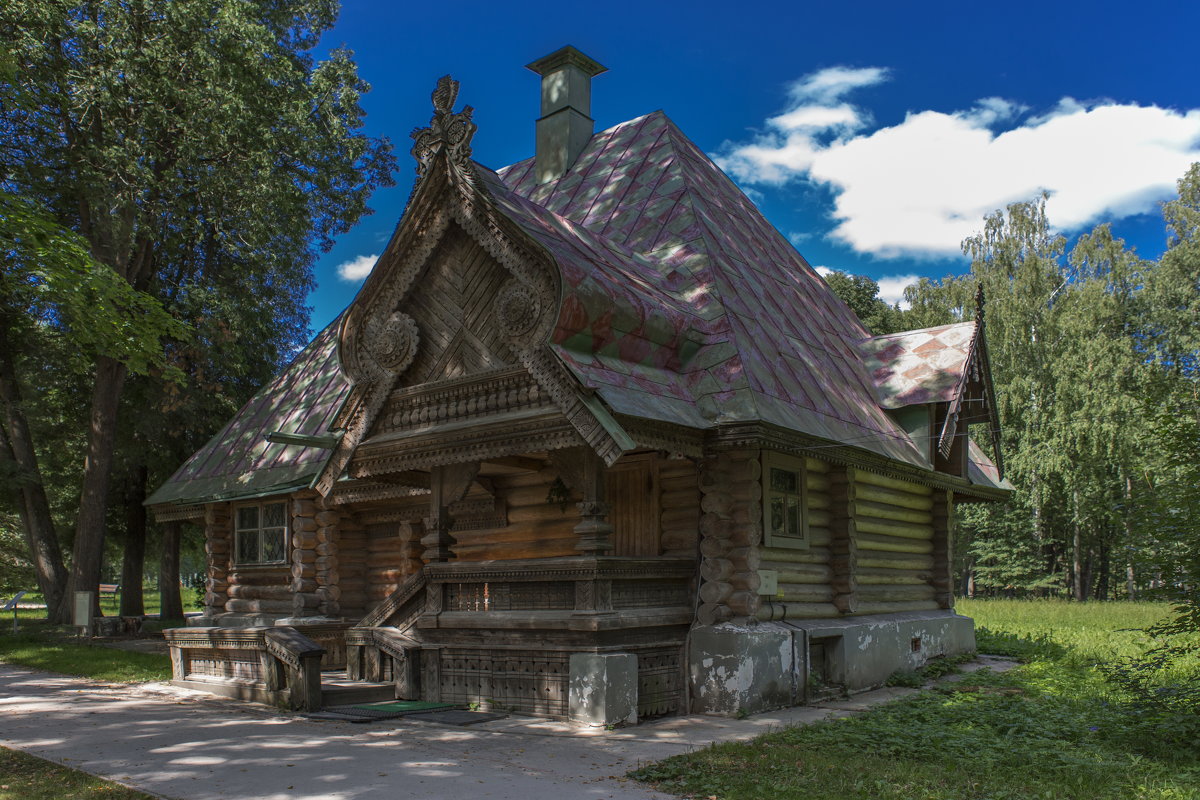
781 461
258 531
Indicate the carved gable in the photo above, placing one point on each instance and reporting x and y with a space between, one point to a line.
452 303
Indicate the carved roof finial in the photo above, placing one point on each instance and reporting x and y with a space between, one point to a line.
980 302
447 131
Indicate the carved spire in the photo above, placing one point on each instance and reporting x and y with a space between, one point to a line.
980 302
447 131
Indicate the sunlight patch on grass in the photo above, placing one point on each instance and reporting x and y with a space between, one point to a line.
55 653
1053 728
26 777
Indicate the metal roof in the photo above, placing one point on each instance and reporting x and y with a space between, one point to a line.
922 366
681 303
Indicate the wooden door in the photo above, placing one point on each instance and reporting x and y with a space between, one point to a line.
632 489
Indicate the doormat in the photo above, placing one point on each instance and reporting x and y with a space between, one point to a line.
376 712
456 717
404 706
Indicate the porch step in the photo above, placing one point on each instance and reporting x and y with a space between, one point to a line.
338 690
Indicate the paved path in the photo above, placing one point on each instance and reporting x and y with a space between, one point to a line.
180 744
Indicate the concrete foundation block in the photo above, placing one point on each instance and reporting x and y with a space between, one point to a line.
603 689
741 670
863 652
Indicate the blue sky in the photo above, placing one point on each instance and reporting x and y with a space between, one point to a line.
874 134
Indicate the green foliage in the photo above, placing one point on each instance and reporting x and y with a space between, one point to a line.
171 170
16 573
862 295
934 669
1054 728
1093 354
51 272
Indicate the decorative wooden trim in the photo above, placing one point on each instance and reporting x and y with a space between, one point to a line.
579 568
743 435
178 513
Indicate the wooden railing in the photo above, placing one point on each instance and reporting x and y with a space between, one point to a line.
279 666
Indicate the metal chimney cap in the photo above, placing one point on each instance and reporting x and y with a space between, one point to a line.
567 56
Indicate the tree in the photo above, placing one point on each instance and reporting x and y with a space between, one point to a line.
51 286
862 295
168 131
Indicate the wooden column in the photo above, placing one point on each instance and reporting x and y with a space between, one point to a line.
843 539
218 549
584 472
447 484
305 601
731 531
942 578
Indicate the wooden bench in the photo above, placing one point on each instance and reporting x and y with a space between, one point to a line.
108 589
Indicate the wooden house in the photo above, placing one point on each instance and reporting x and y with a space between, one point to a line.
593 441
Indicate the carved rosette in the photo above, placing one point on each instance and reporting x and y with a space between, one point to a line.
518 308
392 341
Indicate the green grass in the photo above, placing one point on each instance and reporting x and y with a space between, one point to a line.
1053 728
26 777
56 649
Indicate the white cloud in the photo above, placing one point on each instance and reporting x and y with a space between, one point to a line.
823 271
891 288
828 85
920 187
356 268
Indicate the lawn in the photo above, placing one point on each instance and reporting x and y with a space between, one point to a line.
58 649
26 777
1053 728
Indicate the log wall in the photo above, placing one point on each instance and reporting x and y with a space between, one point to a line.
536 529
393 552
218 551
807 577
352 567
730 529
679 508
305 600
894 534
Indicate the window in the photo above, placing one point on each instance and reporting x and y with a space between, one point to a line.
262 534
785 497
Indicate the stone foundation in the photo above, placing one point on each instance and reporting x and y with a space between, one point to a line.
737 669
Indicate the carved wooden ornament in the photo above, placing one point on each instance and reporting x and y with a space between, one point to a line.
379 340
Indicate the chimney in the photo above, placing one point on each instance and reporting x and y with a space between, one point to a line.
566 124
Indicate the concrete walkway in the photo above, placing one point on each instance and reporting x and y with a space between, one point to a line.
180 744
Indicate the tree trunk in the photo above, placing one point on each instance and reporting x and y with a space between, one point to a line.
1130 585
1105 567
168 573
134 561
1079 589
16 444
88 554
